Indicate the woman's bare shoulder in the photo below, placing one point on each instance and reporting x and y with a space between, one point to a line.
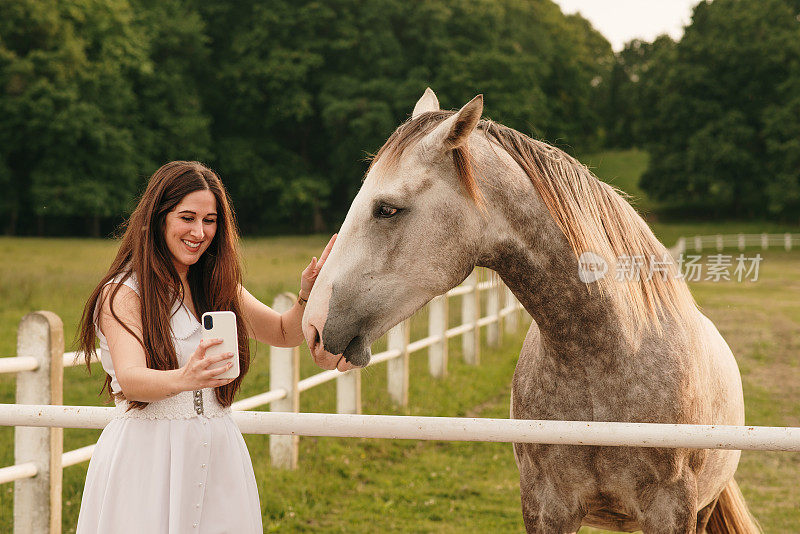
126 305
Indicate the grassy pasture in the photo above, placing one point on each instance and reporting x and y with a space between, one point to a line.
360 485
622 168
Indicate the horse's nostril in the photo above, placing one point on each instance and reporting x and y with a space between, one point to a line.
357 352
314 340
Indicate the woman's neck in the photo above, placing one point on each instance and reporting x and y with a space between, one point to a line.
183 272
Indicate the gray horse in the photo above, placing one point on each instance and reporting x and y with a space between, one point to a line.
449 191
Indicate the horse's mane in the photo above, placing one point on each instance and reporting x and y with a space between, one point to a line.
593 215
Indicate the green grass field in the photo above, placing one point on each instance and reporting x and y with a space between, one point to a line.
622 168
361 485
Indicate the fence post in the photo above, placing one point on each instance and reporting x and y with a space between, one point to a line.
681 246
397 368
719 243
348 392
37 500
511 321
470 312
787 241
437 326
741 241
493 311
698 243
764 241
284 373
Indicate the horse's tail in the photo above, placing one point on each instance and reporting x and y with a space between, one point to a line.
731 515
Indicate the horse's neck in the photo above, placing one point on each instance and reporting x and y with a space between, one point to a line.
572 321
534 259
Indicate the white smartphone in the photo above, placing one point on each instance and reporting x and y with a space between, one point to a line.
222 325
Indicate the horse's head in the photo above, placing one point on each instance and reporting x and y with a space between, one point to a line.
412 232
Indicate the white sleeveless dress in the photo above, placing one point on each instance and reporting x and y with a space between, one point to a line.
178 466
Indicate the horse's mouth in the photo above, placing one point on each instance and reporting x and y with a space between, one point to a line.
358 352
327 360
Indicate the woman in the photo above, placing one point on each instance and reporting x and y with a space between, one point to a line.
172 459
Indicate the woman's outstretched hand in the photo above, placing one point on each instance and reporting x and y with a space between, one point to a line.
310 273
196 373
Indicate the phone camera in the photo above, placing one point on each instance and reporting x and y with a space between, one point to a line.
208 322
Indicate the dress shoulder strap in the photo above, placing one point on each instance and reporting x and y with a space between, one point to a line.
131 281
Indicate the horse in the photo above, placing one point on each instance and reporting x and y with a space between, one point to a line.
449 191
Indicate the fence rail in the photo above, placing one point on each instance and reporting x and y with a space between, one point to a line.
598 433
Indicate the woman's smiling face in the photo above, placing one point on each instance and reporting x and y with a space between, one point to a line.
190 227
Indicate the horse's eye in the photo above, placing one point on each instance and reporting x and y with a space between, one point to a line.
385 211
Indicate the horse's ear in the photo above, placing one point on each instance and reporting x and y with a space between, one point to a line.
455 131
427 102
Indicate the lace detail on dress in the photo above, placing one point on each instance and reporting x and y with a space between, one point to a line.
183 323
181 406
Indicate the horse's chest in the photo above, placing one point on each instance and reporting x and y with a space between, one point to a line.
548 390
560 388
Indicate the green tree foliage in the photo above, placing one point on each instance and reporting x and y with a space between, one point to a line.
782 137
57 139
92 100
304 90
633 89
171 122
719 110
285 98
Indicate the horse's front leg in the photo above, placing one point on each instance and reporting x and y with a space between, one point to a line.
549 503
669 508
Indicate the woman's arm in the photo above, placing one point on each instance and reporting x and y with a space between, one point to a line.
137 381
270 327
282 330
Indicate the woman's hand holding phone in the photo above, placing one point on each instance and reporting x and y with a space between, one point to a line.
222 325
198 374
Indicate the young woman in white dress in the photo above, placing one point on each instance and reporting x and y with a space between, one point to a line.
172 460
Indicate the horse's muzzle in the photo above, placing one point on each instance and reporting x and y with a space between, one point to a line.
322 357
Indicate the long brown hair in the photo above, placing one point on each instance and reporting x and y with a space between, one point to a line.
214 280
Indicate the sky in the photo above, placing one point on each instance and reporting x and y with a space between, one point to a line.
622 20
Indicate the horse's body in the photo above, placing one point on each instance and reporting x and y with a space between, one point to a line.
604 351
685 376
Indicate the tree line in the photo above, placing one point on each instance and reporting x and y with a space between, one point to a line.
718 111
286 100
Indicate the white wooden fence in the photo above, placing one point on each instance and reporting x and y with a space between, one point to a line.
718 242
38 451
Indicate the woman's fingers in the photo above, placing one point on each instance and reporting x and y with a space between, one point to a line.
200 353
211 360
308 272
198 372
309 275
217 382
210 373
328 248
